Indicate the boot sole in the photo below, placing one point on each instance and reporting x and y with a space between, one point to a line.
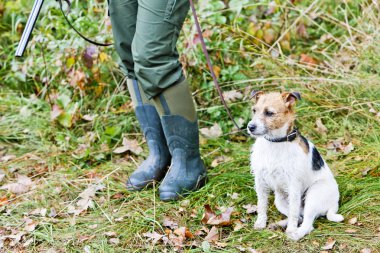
172 196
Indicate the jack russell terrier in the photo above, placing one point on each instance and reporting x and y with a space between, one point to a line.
285 162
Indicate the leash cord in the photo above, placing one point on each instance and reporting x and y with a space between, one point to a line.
81 35
215 80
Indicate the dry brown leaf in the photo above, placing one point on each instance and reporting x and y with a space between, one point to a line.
329 244
88 117
85 199
213 235
347 149
154 237
55 112
213 132
219 160
232 95
238 225
23 185
114 241
30 225
170 223
308 60
353 220
250 208
110 234
322 129
83 238
301 30
221 244
129 145
223 219
7 158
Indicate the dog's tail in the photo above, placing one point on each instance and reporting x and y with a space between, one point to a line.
333 216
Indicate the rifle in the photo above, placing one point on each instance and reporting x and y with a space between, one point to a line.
29 27
32 21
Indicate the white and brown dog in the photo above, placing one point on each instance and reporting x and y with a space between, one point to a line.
285 162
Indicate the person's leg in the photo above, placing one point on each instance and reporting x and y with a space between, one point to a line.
157 163
158 68
123 17
123 14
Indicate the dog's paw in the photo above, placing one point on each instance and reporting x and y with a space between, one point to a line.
259 224
294 235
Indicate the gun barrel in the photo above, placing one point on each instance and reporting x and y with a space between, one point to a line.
29 27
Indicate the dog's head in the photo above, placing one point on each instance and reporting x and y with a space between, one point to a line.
273 113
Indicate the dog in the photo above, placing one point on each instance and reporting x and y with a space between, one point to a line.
285 162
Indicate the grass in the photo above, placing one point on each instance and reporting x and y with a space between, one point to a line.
63 162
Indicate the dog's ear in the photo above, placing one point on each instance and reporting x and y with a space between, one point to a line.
290 98
256 94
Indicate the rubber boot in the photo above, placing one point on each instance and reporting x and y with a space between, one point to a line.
155 166
179 121
187 172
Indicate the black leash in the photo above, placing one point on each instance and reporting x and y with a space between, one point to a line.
80 34
215 80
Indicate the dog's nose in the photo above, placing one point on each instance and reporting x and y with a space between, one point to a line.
252 128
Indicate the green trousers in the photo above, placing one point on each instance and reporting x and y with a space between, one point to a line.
145 34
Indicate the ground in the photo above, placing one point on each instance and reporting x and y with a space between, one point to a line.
64 111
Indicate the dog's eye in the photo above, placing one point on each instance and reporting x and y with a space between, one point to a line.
254 110
269 113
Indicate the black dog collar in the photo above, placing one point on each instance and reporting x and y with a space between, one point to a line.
290 137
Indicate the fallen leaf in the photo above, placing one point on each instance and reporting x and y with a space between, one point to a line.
39 211
238 225
220 160
3 200
55 112
114 241
213 235
221 244
110 234
83 238
170 223
223 219
30 225
23 185
129 145
353 220
308 60
2 177
329 244
301 30
216 70
250 208
7 158
213 132
85 199
232 95
154 237
322 129
347 149
365 250
89 117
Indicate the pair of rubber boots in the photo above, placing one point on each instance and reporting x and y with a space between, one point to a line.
173 142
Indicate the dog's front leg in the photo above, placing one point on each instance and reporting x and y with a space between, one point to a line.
294 207
262 205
